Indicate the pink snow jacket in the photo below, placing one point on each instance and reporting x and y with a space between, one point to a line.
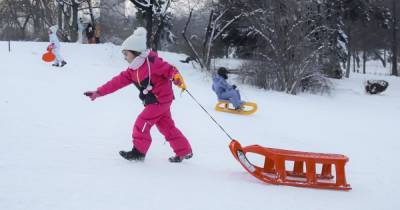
160 88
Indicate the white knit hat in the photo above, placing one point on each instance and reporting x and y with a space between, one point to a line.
137 41
54 29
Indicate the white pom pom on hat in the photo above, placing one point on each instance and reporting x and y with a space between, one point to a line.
54 29
140 31
137 41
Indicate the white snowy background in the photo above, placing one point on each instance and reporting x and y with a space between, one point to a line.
59 150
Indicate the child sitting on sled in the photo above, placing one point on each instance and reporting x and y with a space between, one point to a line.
224 90
153 77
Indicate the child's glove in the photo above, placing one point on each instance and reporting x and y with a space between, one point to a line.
178 81
50 47
92 95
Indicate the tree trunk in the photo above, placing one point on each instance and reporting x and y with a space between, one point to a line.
37 23
394 44
67 17
208 32
149 27
347 75
198 58
384 58
364 62
74 27
148 19
60 15
91 13
348 66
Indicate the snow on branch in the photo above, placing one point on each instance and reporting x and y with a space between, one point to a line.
270 42
226 26
144 4
63 2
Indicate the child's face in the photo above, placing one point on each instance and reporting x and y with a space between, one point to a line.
128 56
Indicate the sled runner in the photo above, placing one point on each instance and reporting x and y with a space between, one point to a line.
248 108
49 56
274 169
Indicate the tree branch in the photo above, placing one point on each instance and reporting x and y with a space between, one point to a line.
189 43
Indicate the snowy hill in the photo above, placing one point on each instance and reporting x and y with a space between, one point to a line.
59 150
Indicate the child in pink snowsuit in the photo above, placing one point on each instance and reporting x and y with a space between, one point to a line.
153 77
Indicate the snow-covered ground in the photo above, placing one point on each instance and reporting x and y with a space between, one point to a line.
59 150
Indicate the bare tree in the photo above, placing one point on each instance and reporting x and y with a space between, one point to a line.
68 11
189 43
19 15
394 44
115 24
147 6
218 23
156 19
290 43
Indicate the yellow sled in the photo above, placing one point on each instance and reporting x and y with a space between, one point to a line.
248 108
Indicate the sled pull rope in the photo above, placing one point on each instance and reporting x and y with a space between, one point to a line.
230 138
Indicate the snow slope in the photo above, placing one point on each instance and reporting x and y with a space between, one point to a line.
59 150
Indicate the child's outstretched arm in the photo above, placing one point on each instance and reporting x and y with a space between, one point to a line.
116 83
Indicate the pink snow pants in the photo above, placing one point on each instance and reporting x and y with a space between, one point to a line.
159 115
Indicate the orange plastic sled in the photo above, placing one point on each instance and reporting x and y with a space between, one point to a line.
274 168
248 108
49 56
